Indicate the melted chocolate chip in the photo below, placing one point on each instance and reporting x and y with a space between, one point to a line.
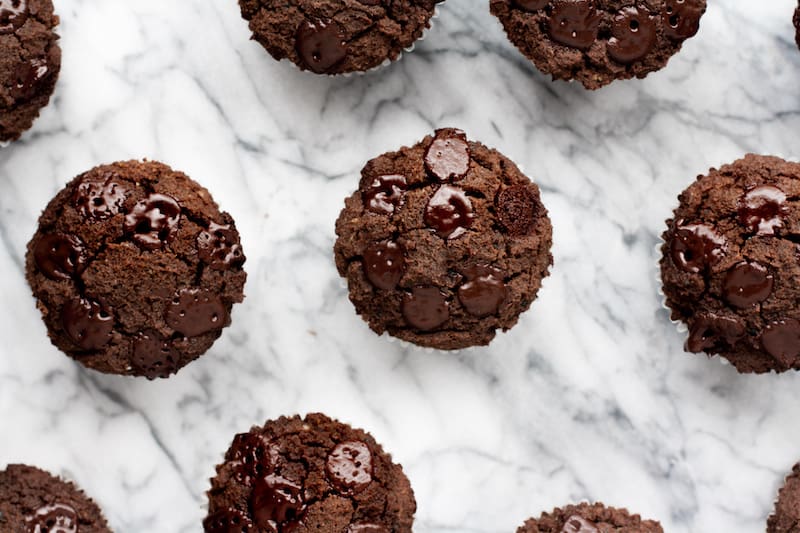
712 332
484 291
384 264
219 247
13 14
153 221
578 524
781 340
252 457
367 528
633 35
29 76
349 466
449 212
194 312
747 284
87 323
574 23
99 198
682 18
761 209
696 247
426 308
320 46
228 520
385 194
531 5
516 208
153 356
55 518
59 256
276 503
447 158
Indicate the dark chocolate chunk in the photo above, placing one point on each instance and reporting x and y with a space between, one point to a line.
633 35
349 466
277 503
517 209
385 194
426 308
781 340
747 284
578 524
447 158
99 197
484 290
574 23
219 247
709 332
449 212
384 264
60 256
153 221
252 457
320 45
696 247
762 208
531 5
682 18
194 312
54 518
228 520
88 323
154 356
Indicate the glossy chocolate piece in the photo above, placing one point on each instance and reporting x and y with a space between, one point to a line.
219 247
228 520
153 221
29 77
54 518
574 23
153 356
448 157
99 198
530 5
252 457
277 503
747 284
88 323
385 194
578 524
696 247
449 212
781 339
59 256
762 209
483 292
194 312
384 264
349 466
426 308
681 18
710 331
320 45
634 35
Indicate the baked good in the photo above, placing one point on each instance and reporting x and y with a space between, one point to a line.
30 60
135 269
599 41
443 243
310 475
730 266
34 501
337 36
786 517
589 518
796 21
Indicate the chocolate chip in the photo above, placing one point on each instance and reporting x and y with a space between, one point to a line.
426 308
712 332
761 209
531 5
578 524
633 35
194 312
781 340
747 284
29 76
153 221
228 520
682 18
696 247
448 156
59 256
13 14
87 323
484 291
320 45
449 212
99 198
349 466
252 456
384 264
574 23
54 518
153 356
517 210
385 194
219 247
277 503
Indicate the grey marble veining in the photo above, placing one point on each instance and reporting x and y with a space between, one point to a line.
589 397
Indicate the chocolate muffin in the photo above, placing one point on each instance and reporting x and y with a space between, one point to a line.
730 265
796 20
309 475
337 36
786 518
34 501
599 41
135 269
589 518
443 243
30 60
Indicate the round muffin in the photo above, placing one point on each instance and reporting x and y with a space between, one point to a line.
730 266
589 518
786 518
599 41
337 36
34 501
309 475
135 269
30 60
443 243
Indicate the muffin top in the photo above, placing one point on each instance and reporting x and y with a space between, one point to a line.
786 517
589 518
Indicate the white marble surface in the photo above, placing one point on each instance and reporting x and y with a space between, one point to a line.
589 397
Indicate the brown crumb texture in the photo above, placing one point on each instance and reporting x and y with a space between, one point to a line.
30 61
598 41
34 500
786 517
135 269
309 475
589 518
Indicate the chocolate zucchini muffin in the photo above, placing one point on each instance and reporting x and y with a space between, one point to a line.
337 36
599 41
30 60
589 518
796 20
135 269
786 518
730 264
309 475
443 243
34 501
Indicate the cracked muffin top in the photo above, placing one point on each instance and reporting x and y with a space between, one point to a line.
337 36
730 264
589 518
444 242
135 269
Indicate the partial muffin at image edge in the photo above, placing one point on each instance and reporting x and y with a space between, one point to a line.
311 474
598 41
786 516
34 501
135 269
589 518
30 61
730 264
796 21
443 243
337 36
